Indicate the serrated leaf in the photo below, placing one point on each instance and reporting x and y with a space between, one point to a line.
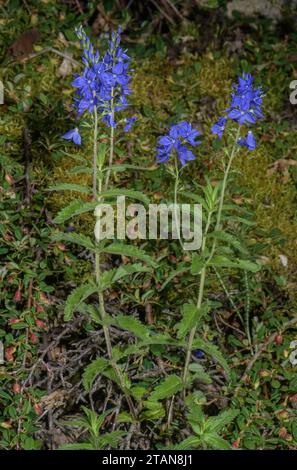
76 297
70 187
92 370
191 316
124 417
223 262
169 386
217 423
216 442
133 325
125 192
127 166
77 170
111 439
154 410
197 264
189 443
78 239
129 250
227 237
73 209
77 446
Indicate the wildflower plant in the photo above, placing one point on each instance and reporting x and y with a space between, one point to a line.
244 110
101 93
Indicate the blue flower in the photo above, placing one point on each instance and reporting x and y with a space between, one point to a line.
129 123
73 135
179 135
219 127
249 141
245 108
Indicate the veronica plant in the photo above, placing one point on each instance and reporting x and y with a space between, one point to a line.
101 93
244 110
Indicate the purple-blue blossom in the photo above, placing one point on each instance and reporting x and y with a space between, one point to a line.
219 127
104 83
249 141
73 135
129 123
245 108
177 139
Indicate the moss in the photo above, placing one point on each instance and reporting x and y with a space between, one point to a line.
275 206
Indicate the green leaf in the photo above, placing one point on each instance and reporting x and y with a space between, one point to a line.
77 170
78 239
73 209
114 275
213 351
197 264
111 439
191 442
217 423
227 237
191 316
199 373
216 442
154 410
126 192
127 322
127 166
127 269
124 417
92 370
76 297
70 187
77 446
169 386
129 250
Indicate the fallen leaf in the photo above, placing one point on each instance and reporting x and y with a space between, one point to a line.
23 45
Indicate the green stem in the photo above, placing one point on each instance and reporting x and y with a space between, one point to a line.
247 311
177 225
203 271
100 292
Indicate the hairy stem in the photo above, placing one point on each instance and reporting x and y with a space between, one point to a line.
100 292
203 271
176 221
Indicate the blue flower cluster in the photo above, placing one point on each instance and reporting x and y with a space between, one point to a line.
245 108
179 135
104 83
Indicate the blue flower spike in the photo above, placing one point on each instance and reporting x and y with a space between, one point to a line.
245 108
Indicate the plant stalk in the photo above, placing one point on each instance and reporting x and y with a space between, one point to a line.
203 271
98 281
